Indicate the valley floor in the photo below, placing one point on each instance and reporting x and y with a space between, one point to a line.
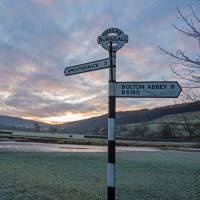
57 138
82 176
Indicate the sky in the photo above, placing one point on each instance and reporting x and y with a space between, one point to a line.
39 38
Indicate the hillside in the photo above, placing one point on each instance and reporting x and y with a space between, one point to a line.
179 125
18 122
98 124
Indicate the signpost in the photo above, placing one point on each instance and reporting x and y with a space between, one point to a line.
158 89
111 129
113 39
114 35
86 67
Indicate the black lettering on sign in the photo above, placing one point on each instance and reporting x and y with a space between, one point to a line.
128 86
88 67
130 92
113 39
139 86
132 86
163 87
116 31
113 30
157 86
94 66
172 86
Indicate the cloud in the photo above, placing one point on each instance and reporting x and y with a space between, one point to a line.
44 2
39 38
35 105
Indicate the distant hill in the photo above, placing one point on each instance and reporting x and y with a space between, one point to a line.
98 124
179 125
18 122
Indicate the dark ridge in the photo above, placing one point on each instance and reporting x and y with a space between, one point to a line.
95 124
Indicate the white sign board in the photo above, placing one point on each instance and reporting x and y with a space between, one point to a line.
114 35
157 89
86 67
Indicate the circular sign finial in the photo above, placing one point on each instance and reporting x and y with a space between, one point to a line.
114 35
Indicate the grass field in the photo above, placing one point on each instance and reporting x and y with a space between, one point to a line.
169 175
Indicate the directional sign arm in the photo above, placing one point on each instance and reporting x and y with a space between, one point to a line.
86 67
156 89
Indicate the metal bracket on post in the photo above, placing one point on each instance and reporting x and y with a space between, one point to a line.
112 89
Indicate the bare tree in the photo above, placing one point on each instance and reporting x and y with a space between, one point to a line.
187 66
36 127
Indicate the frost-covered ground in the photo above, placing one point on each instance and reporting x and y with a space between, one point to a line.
173 175
12 146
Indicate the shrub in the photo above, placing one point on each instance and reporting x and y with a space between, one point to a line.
166 131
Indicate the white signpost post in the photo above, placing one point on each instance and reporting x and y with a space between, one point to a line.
113 39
